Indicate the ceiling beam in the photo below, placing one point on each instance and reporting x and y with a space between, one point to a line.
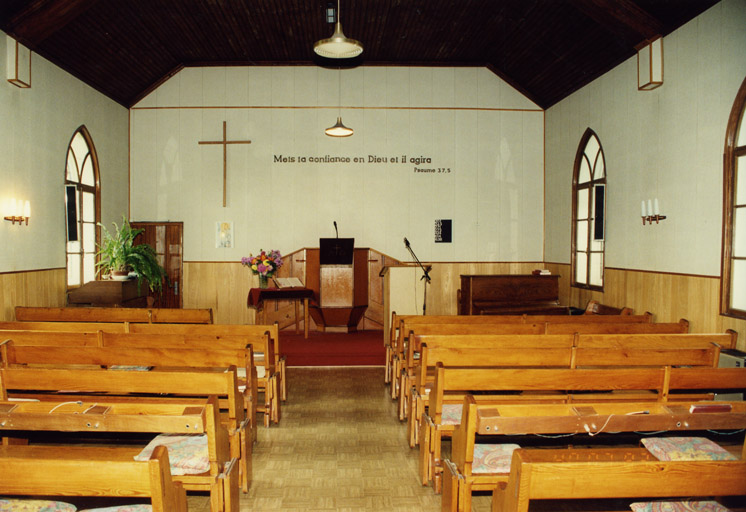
42 18
622 17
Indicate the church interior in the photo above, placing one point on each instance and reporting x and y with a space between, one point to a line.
533 206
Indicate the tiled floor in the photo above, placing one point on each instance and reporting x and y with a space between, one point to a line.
339 447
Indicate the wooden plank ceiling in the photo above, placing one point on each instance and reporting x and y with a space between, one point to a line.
545 48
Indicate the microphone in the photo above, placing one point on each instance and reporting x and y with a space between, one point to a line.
335 228
406 242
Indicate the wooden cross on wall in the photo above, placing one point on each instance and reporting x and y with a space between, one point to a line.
225 143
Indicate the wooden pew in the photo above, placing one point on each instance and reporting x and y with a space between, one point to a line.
612 473
229 330
404 362
92 418
79 471
267 381
270 408
177 372
566 351
476 351
402 324
557 385
584 421
650 350
66 326
112 314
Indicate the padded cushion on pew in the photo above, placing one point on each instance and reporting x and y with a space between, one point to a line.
122 508
16 505
685 448
451 414
678 506
187 453
492 458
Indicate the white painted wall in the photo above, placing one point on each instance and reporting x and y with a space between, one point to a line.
666 143
36 126
463 119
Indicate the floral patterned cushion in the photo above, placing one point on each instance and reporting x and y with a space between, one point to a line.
685 448
492 458
16 505
678 506
123 508
187 453
451 414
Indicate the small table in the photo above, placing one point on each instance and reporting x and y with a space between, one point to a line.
258 295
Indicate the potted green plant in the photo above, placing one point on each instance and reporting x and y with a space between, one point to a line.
119 257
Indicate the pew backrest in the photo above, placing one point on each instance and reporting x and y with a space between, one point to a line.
113 314
82 471
613 473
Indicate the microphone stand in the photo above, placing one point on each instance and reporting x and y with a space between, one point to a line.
425 275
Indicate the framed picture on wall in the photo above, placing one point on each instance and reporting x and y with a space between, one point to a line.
224 235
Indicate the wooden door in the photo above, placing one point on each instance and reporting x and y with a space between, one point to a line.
167 240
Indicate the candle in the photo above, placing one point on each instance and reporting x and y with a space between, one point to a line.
656 210
650 207
642 208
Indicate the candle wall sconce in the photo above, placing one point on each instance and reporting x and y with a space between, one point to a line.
651 212
17 211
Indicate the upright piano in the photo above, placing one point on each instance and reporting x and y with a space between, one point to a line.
510 294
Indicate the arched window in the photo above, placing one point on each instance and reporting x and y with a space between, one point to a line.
733 284
588 213
82 207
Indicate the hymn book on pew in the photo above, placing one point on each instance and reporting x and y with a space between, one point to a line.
288 282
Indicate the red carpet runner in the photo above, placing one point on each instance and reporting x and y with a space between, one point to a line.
363 348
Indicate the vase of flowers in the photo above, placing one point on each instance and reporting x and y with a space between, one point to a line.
264 265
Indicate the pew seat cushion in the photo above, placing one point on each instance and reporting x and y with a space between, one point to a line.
678 506
493 458
451 414
22 505
686 448
187 453
122 508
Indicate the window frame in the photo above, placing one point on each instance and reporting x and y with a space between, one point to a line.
590 185
81 188
736 121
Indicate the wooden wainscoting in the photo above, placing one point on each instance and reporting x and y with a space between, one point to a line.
31 288
224 287
668 296
445 280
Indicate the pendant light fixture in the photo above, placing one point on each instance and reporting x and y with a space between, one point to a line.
339 129
338 46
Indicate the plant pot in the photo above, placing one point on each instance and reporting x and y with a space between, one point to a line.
118 275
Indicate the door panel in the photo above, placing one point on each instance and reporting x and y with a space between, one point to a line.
167 240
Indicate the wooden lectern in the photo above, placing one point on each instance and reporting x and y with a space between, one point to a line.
342 284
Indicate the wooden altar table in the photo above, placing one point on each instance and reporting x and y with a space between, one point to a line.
258 295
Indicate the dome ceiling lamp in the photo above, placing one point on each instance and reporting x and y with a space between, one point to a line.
339 129
338 46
